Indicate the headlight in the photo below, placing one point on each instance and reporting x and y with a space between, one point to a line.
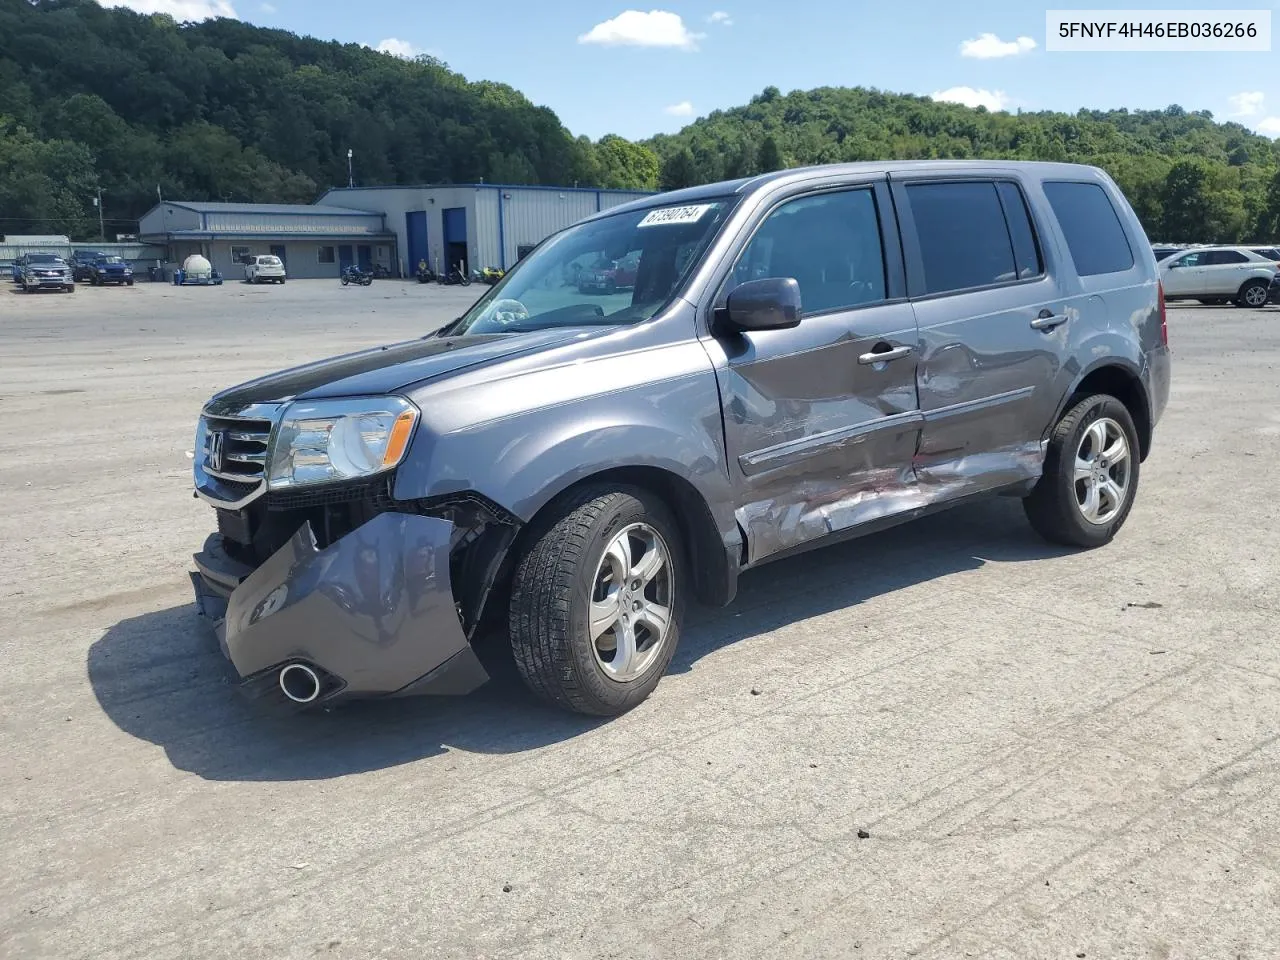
325 441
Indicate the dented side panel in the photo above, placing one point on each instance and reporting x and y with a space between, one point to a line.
818 440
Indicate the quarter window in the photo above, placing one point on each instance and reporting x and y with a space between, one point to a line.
1026 254
1094 234
829 243
964 240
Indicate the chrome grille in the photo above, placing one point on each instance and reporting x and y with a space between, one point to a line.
235 449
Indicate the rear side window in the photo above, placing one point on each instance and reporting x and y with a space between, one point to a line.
1217 258
964 241
1089 222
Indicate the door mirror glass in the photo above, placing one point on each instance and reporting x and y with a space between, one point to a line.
771 303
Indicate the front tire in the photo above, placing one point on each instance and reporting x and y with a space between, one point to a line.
596 602
1090 475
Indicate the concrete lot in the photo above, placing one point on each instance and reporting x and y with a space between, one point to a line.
1053 754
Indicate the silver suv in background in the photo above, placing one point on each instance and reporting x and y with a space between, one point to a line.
802 357
1219 275
45 271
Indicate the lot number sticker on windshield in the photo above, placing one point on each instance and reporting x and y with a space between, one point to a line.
670 215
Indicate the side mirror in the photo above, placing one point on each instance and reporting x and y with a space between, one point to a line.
772 303
1175 265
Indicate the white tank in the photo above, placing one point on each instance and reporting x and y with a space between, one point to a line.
197 267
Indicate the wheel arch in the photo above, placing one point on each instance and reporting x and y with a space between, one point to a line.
1118 378
713 564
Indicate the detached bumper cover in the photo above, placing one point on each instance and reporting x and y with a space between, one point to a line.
374 610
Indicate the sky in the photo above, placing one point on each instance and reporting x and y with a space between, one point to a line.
607 66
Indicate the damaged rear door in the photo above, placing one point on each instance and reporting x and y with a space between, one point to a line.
822 420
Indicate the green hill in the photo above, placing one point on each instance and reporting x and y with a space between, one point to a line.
225 110
1188 177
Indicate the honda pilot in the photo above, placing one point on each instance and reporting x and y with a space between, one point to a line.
803 357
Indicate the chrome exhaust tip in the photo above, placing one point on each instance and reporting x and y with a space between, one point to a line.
299 683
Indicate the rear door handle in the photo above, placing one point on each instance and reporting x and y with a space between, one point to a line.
1049 322
881 356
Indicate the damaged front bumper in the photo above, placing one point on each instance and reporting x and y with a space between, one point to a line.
373 613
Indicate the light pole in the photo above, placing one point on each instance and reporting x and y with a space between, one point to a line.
97 202
351 180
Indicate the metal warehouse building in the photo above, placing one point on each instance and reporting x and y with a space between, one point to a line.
313 241
480 224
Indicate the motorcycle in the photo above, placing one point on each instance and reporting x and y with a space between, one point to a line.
353 274
453 277
426 275
491 275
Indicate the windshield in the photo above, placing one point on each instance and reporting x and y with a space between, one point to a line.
111 260
42 258
616 270
269 261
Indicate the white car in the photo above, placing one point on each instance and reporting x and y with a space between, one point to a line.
264 269
1218 275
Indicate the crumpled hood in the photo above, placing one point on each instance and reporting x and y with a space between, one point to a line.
393 367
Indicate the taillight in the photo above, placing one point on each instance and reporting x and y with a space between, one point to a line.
1164 317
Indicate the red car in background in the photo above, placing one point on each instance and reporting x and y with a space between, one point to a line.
609 276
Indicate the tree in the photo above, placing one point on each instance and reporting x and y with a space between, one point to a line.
770 158
679 171
626 165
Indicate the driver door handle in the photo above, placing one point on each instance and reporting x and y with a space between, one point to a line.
1050 321
880 356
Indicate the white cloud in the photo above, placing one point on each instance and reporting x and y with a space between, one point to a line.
1246 104
682 109
181 10
1270 126
990 47
631 28
991 99
722 18
397 48
269 8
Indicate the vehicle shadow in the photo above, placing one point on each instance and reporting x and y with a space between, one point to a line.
160 676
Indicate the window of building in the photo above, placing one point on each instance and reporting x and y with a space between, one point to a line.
523 250
964 240
326 255
829 243
239 254
1094 234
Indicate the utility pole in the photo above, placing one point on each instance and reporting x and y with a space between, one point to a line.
97 202
351 179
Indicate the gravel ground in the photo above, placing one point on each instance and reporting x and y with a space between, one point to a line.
947 740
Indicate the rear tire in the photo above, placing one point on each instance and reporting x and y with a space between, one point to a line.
1090 475
1253 294
612 556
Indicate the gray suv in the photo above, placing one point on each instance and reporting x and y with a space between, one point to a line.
803 357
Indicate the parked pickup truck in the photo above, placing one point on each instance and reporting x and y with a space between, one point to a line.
45 271
111 270
805 356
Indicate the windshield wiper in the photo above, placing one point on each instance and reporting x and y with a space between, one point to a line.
445 330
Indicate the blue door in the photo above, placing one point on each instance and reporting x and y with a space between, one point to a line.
345 257
455 238
415 227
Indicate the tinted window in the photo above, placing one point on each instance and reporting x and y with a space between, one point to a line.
1219 257
964 241
830 244
1269 252
1026 253
1190 260
1094 235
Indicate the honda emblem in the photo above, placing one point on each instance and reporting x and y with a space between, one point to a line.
216 441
